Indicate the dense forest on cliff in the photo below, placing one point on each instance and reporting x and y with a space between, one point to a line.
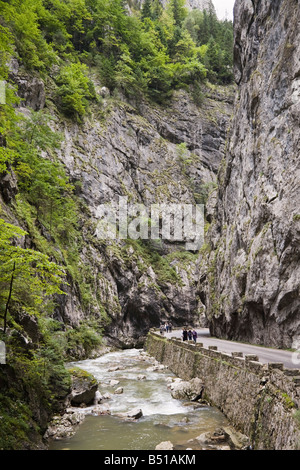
151 51
147 53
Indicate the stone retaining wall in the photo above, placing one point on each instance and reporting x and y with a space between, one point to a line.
260 400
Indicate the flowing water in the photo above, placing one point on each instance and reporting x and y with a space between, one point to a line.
164 418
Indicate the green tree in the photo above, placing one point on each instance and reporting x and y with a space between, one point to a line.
9 121
65 23
157 10
74 90
147 9
43 181
160 74
22 17
217 36
6 50
26 276
179 11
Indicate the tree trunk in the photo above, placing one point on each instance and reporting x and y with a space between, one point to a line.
9 297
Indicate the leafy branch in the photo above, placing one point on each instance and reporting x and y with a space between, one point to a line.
25 274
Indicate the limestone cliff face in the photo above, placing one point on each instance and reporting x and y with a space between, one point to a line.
191 4
252 273
134 151
150 154
200 5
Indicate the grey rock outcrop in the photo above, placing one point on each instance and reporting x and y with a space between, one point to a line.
84 387
149 154
200 5
191 390
31 89
64 426
165 445
133 151
251 271
8 186
191 4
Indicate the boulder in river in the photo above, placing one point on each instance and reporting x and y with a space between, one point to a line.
64 426
191 389
106 396
99 410
136 413
114 382
98 398
218 439
166 445
224 439
84 387
141 377
132 415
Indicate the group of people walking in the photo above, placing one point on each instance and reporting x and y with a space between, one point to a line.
186 335
167 327
189 335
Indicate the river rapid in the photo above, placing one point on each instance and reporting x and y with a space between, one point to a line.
146 385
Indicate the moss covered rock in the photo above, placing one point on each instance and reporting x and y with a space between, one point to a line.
84 387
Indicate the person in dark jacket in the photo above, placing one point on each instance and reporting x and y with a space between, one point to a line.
195 335
184 335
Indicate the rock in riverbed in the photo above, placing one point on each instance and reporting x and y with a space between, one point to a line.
166 445
131 415
64 426
84 387
114 382
99 410
192 389
223 439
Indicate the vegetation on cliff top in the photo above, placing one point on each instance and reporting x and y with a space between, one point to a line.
149 51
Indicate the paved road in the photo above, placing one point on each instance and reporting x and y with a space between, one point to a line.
290 360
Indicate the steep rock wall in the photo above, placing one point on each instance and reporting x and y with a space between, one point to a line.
132 150
251 271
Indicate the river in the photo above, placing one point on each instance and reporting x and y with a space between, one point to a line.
164 418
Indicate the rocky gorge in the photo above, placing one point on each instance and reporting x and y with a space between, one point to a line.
251 273
149 155
115 289
172 416
232 148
